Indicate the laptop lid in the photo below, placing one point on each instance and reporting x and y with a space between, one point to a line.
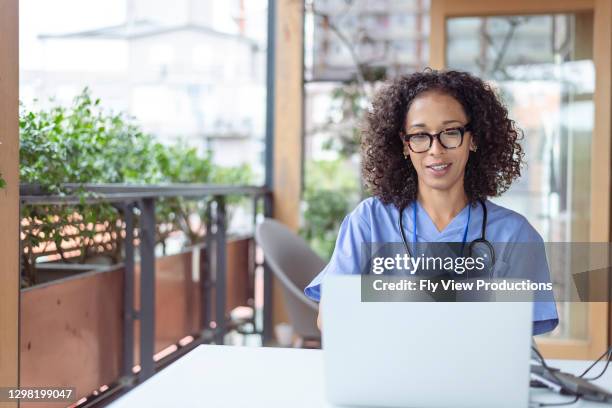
423 354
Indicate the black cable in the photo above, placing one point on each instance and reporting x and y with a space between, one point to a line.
546 367
609 354
604 369
557 404
539 355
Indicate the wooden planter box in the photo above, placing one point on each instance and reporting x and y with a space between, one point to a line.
71 330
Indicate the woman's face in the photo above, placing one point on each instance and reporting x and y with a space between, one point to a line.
438 168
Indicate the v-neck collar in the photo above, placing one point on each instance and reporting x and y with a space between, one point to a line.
427 230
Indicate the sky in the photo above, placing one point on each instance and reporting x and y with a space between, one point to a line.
60 16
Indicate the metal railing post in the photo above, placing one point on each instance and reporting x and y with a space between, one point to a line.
206 275
268 305
220 269
128 291
147 288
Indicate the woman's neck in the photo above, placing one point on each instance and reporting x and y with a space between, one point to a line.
442 205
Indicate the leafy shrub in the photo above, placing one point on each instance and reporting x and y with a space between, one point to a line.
86 144
83 144
330 192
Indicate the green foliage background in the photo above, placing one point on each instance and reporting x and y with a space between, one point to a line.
84 143
333 188
330 191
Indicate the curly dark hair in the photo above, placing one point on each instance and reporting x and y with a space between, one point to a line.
489 171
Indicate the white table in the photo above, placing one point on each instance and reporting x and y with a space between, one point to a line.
230 376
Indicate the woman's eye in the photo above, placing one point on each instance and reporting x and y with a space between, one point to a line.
418 138
452 132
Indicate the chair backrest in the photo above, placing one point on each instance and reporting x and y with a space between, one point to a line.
295 265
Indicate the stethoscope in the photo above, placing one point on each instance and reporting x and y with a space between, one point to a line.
479 247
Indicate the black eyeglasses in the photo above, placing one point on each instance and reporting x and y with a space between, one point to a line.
450 138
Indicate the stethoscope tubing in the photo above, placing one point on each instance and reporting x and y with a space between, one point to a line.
482 238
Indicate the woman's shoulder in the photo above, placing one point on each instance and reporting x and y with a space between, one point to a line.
372 207
513 225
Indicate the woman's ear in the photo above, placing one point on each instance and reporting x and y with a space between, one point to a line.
473 146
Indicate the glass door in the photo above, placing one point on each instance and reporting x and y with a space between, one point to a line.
544 69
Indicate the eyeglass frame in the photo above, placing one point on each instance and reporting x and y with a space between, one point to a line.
462 129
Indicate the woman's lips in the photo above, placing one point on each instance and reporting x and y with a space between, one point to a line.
439 169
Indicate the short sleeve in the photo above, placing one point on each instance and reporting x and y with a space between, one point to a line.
529 260
353 232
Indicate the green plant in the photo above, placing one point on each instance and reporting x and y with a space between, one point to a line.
83 144
182 164
86 144
80 144
330 191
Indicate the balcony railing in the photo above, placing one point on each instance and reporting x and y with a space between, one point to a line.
137 206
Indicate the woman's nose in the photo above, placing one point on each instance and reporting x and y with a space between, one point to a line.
436 148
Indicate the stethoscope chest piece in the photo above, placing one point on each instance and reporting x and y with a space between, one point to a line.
478 248
481 248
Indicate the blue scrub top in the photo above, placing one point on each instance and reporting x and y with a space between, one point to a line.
373 221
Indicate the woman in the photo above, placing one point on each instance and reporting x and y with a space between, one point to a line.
437 144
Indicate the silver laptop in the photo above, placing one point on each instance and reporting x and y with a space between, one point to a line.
423 354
